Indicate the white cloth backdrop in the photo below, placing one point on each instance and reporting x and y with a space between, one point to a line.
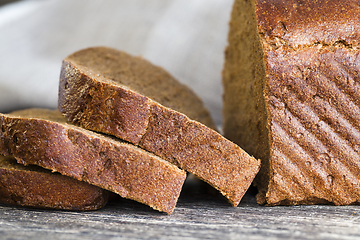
186 37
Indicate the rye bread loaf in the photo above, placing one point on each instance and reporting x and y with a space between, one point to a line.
33 186
42 137
291 85
112 92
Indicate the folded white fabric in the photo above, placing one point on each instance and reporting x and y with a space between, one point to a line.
186 37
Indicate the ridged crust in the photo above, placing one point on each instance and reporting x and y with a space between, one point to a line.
310 55
99 160
35 187
169 134
312 63
315 126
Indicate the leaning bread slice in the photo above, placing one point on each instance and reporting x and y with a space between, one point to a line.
42 137
33 186
109 91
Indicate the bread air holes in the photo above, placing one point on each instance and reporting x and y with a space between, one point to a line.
102 154
324 158
16 139
108 163
356 73
88 98
66 85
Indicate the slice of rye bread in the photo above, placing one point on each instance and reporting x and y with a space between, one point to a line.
291 83
42 137
33 186
112 92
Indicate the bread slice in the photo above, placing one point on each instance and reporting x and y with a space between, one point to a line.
42 137
291 85
33 186
106 90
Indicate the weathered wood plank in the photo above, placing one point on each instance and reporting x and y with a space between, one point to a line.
200 214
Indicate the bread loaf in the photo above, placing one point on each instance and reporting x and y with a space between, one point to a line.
291 97
106 90
33 186
42 137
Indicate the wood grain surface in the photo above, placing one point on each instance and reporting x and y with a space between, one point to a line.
201 213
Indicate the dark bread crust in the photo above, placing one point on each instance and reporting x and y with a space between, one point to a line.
83 97
36 187
99 160
306 22
308 53
245 114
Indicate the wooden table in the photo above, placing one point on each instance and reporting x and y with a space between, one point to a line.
201 213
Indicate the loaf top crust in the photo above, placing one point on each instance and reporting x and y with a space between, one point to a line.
33 186
42 137
300 22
